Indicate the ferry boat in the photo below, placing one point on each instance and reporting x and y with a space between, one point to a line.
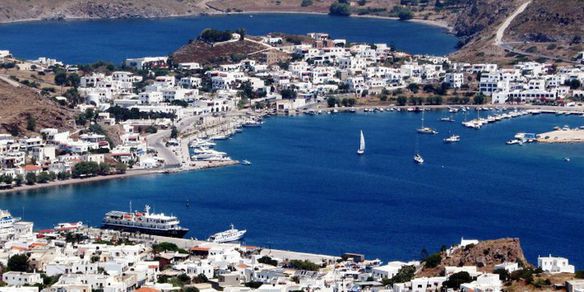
144 222
7 224
229 235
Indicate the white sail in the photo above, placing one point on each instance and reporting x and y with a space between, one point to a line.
361 144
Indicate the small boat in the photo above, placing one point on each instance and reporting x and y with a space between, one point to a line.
361 149
427 130
246 162
418 158
229 235
513 142
452 139
567 159
447 119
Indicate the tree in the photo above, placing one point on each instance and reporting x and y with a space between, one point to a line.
331 101
121 168
18 263
43 177
267 261
173 132
30 123
241 33
61 78
340 9
405 14
31 178
405 274
73 80
288 93
433 260
413 87
303 265
401 100
214 36
455 280
479 99
104 169
85 168
18 180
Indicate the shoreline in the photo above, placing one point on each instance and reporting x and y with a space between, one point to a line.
130 173
434 23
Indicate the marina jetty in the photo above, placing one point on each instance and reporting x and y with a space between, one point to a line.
74 257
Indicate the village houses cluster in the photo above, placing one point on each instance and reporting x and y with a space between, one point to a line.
290 77
82 260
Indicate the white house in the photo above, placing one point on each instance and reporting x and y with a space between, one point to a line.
483 283
21 278
554 265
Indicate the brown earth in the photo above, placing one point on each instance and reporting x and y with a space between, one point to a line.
220 53
18 103
485 255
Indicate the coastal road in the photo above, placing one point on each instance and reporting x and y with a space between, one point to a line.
507 46
158 142
501 30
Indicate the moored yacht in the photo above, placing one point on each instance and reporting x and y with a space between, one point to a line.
229 235
452 139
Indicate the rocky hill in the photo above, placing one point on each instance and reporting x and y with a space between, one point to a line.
15 10
21 104
485 255
220 53
546 30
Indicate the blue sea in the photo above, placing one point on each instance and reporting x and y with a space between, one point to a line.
115 40
307 190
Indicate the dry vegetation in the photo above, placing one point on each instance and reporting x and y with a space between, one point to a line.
205 53
20 103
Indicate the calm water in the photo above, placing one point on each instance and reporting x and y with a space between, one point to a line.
307 189
115 40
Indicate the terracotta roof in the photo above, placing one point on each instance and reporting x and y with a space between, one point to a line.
30 167
199 248
144 289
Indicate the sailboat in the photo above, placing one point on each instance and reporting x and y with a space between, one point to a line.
418 157
361 149
426 130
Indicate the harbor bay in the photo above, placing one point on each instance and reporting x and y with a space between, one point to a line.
308 191
115 40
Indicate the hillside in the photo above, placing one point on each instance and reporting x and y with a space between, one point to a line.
547 29
14 10
219 53
485 255
18 103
